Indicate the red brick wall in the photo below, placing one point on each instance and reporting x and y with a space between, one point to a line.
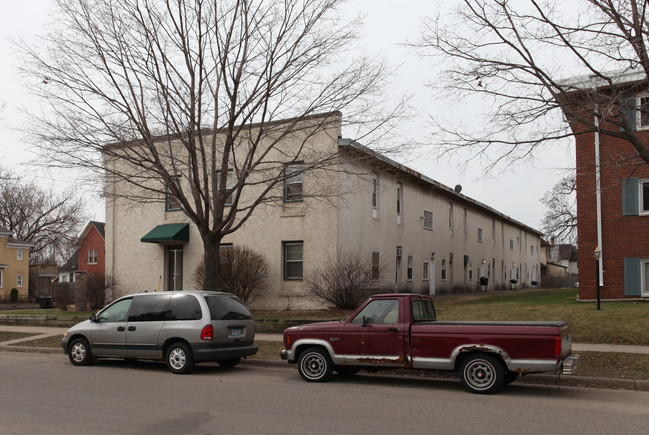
622 236
93 240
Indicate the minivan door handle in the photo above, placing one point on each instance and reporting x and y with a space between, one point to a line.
120 328
131 328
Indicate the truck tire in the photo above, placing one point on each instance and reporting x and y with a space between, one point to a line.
482 373
315 365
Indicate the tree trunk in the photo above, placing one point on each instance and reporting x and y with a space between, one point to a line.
212 265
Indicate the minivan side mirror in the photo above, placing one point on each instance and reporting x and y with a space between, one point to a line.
93 317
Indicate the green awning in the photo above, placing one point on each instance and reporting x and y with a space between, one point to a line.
167 233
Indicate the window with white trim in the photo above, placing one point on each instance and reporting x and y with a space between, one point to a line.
19 254
293 260
19 280
172 203
92 256
376 268
443 269
409 273
424 271
294 182
399 197
1 278
375 191
229 184
428 220
511 244
480 235
450 216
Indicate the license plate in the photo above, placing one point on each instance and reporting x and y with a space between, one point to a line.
235 332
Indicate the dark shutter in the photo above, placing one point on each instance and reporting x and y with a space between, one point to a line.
632 277
629 110
630 202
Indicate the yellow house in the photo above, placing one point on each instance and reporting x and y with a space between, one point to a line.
14 266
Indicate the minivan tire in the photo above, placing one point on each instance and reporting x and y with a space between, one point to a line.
79 352
179 358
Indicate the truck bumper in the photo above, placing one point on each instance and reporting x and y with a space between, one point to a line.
569 364
284 354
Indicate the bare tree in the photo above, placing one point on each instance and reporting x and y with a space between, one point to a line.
243 272
560 221
343 280
518 57
180 95
49 220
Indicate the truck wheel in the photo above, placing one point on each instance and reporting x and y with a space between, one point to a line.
481 374
315 365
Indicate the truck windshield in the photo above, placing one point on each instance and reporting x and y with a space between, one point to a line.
422 310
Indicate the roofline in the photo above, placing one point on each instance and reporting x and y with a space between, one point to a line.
345 142
594 81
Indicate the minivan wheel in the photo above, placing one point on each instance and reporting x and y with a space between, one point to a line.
229 363
179 358
79 352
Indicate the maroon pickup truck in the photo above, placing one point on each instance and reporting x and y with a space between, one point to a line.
401 331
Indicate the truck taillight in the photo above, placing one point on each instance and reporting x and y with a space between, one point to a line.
557 347
207 333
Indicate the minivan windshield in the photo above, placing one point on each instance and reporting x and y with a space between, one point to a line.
227 308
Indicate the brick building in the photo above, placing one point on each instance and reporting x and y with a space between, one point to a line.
613 189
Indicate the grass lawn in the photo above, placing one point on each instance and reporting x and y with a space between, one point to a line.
48 312
6 335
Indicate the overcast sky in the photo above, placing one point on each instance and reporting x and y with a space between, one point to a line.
515 191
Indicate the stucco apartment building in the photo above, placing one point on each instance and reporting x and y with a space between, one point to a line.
613 192
417 234
14 266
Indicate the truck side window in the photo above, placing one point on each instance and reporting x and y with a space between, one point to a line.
422 310
380 312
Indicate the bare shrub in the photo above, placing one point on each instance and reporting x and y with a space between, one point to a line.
242 272
343 281
96 288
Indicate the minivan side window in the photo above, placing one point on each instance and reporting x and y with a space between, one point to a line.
149 308
184 307
116 312
227 308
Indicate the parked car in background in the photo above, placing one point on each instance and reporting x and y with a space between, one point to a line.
181 327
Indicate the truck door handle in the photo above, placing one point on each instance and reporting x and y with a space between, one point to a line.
120 328
131 328
393 329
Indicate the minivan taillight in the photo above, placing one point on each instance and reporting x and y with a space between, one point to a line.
207 333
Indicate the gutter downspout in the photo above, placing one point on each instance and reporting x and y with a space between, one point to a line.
598 195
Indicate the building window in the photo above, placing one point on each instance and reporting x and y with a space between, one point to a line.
294 183
229 183
480 235
1 278
493 230
399 197
293 260
19 281
443 269
375 191
398 265
450 216
376 269
19 254
489 270
172 203
92 256
465 222
409 270
511 244
424 273
532 249
470 270
428 220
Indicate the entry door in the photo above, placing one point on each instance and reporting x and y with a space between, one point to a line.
175 267
431 276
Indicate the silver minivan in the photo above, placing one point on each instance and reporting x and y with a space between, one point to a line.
181 327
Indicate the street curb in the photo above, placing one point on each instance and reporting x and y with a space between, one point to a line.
541 379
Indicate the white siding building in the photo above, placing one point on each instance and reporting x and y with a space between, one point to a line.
419 235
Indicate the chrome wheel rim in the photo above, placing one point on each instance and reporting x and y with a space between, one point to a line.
177 358
480 374
78 352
